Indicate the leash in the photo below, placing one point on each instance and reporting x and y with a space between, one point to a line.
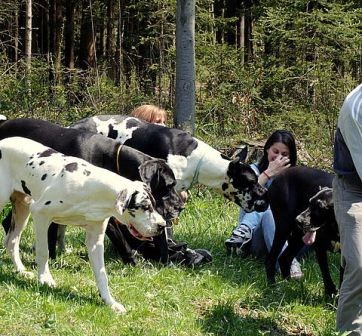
117 157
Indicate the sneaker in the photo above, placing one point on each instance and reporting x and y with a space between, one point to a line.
295 270
238 241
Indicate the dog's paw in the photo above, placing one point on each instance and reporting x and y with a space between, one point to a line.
118 308
47 280
27 274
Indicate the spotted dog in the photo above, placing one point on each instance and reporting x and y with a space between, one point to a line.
320 229
70 191
290 195
191 160
109 154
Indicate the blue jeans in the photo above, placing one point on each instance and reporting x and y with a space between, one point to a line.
262 226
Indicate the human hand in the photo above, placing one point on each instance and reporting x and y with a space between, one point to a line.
277 166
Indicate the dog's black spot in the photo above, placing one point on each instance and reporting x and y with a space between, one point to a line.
30 163
71 167
224 186
60 201
25 188
44 177
47 202
47 152
111 132
132 202
1 154
132 123
41 163
86 172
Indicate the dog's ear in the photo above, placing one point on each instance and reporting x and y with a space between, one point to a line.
122 201
157 174
241 154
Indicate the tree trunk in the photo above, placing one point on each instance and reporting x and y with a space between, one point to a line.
28 41
28 35
58 37
110 42
15 33
41 24
87 40
110 39
185 65
248 31
69 35
119 52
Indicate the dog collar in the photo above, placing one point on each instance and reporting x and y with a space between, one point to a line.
117 157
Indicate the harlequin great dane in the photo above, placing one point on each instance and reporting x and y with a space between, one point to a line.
191 160
104 153
290 195
70 191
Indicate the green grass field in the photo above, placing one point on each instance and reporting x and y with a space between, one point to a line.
226 297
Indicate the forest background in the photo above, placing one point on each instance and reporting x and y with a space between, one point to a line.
260 65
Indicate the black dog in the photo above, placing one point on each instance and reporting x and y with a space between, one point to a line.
108 154
320 228
289 195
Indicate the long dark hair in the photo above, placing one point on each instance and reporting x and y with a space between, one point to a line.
284 137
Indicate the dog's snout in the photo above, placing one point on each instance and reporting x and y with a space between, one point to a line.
260 190
261 205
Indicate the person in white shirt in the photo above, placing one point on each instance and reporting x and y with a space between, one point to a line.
347 195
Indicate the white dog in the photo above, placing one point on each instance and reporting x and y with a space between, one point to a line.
69 191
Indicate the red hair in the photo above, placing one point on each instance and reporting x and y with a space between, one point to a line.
150 113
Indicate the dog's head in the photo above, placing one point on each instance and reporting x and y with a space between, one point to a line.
242 187
319 214
160 178
135 207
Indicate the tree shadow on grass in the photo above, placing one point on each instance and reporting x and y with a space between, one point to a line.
222 320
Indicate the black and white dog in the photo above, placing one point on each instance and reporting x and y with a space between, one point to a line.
320 228
109 154
290 195
70 191
191 160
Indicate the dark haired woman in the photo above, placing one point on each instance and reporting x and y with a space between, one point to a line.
255 231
